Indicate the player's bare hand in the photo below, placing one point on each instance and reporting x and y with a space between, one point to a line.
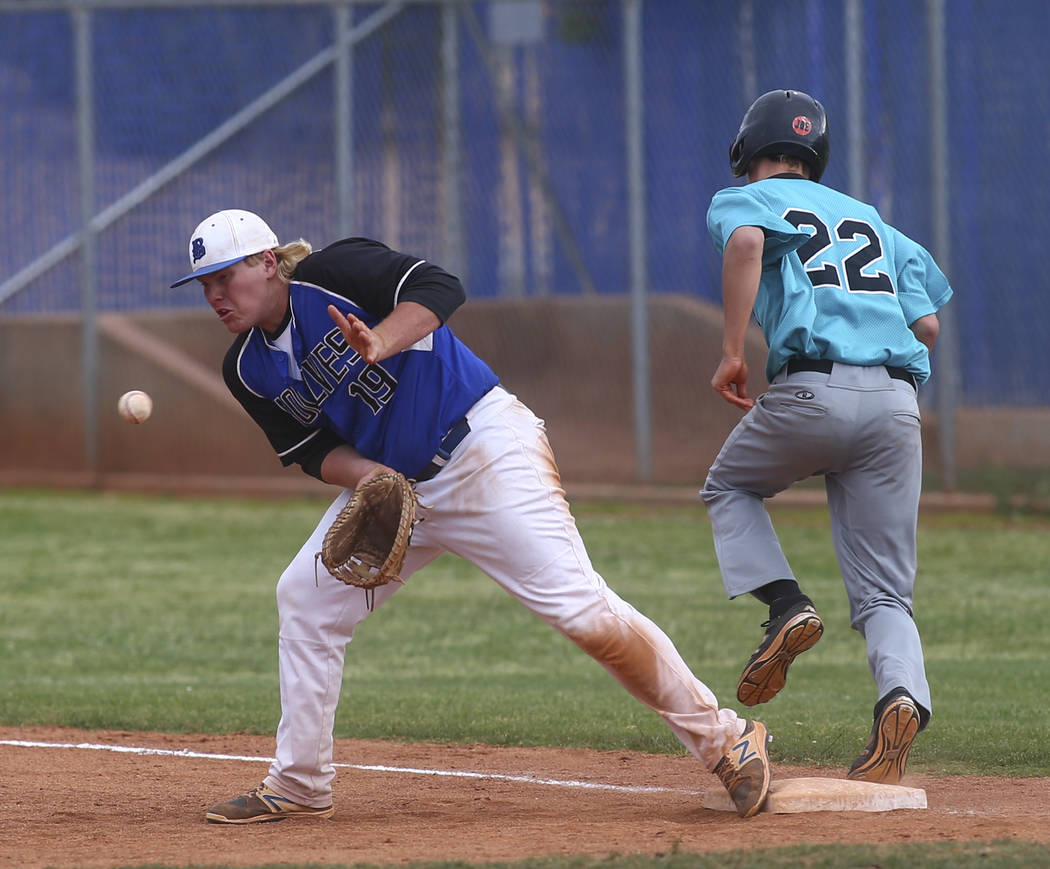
358 335
374 471
730 382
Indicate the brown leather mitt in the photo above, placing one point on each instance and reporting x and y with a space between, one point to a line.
367 542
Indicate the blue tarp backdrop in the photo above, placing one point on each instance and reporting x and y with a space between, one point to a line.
532 98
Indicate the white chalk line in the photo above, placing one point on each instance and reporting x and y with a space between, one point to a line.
492 776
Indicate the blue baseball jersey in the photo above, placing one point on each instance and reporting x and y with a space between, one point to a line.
837 281
310 391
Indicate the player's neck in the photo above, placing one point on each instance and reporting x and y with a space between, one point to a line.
765 167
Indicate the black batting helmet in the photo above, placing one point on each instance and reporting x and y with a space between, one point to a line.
782 122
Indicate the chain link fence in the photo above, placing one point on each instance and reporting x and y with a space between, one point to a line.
540 149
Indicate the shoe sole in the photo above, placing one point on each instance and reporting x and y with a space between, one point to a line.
213 818
897 729
763 677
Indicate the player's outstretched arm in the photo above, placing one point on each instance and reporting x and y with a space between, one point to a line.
403 327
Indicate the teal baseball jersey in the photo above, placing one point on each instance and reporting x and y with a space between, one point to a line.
837 281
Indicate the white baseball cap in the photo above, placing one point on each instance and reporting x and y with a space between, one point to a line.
225 238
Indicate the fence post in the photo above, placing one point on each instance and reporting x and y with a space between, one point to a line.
451 145
947 345
638 244
855 98
343 117
89 237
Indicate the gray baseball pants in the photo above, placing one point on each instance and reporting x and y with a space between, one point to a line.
860 429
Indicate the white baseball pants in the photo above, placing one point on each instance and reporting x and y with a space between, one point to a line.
498 503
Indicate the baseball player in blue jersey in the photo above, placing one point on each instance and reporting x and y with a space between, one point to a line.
343 358
848 307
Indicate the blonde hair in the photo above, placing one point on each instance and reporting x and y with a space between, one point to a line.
288 257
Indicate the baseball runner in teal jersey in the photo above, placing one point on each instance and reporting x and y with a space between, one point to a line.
343 358
847 305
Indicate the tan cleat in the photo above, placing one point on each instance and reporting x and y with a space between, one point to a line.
262 804
786 637
744 770
886 754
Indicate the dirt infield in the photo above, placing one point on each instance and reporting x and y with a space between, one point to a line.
82 807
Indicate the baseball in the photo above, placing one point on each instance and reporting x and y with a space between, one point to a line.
135 406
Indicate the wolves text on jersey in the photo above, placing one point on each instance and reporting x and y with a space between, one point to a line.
324 369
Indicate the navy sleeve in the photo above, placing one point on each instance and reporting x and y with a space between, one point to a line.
376 278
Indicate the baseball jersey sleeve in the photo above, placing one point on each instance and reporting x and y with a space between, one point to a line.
922 287
376 278
738 206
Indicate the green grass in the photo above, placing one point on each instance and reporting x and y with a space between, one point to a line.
158 613
940 855
121 611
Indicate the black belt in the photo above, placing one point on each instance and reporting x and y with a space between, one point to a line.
824 366
451 440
